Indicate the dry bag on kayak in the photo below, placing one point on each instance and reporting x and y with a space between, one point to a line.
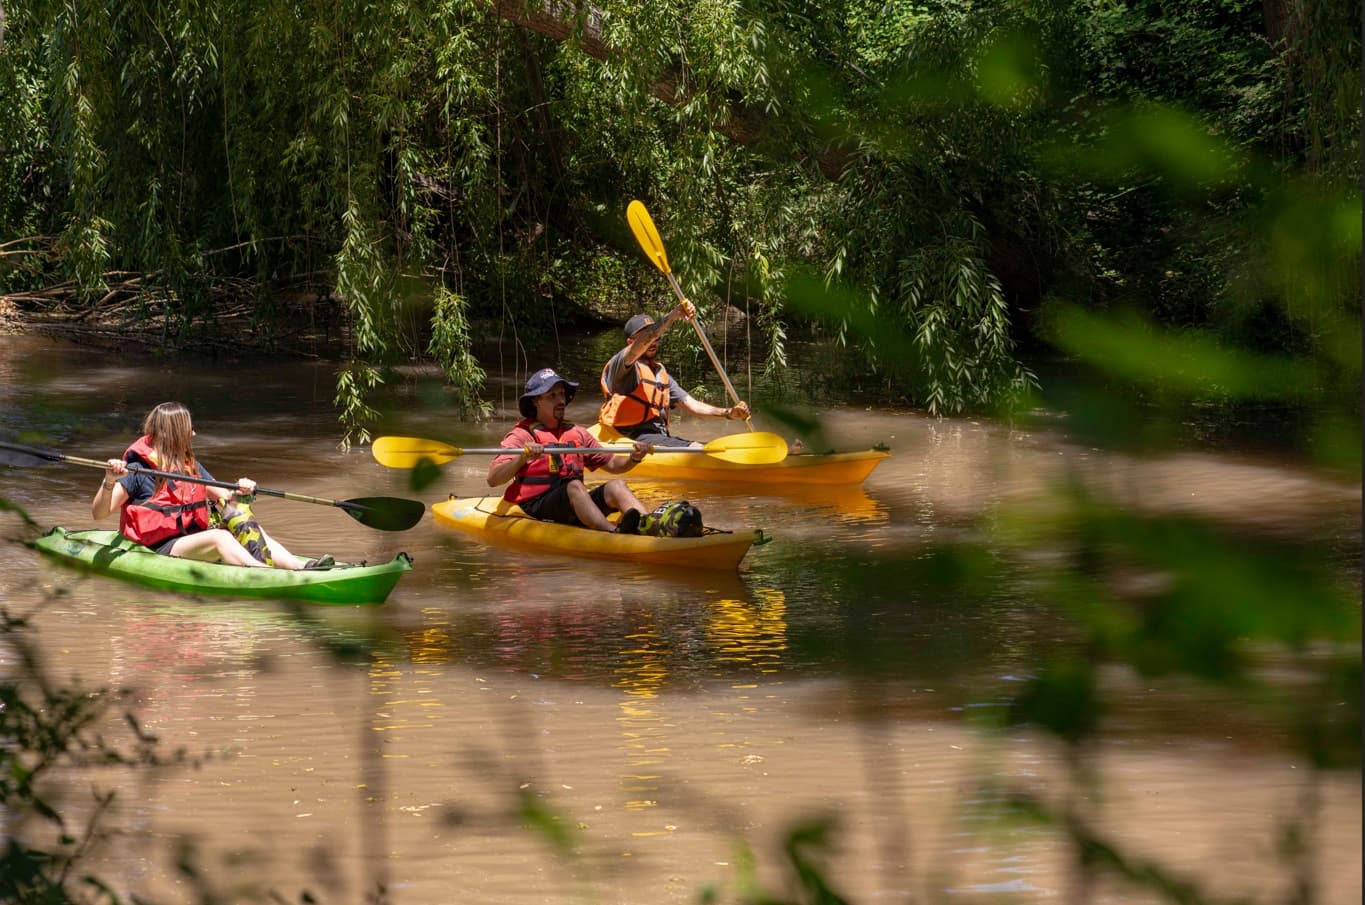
677 518
237 517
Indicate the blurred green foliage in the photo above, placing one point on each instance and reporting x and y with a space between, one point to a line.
48 728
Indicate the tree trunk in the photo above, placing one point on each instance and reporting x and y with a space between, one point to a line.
1279 19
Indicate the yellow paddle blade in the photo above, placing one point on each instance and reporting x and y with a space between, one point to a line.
642 224
406 452
755 448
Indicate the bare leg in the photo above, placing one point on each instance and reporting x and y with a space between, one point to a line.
282 557
620 497
586 509
215 543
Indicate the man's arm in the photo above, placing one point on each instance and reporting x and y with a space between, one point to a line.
620 375
680 398
738 411
640 342
596 456
504 468
622 463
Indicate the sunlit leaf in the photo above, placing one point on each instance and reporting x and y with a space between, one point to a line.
424 474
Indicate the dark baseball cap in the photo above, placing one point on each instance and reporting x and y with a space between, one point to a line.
638 323
541 382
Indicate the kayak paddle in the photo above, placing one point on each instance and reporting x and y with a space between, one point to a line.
379 512
642 224
758 448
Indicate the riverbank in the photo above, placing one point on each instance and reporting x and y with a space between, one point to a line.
235 323
311 327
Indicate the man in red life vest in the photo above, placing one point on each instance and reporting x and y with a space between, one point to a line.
640 391
550 487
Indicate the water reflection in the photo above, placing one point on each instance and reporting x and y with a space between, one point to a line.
847 505
402 699
742 640
641 674
749 633
433 640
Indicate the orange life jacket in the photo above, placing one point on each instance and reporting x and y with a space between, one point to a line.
547 471
647 402
169 512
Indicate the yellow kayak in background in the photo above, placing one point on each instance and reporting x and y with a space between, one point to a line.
497 521
799 468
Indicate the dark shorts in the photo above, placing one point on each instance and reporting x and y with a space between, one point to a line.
650 433
553 505
164 548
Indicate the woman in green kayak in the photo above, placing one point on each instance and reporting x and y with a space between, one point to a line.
172 517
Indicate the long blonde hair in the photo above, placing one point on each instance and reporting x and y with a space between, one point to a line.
171 435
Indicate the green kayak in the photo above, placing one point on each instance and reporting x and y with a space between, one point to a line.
110 553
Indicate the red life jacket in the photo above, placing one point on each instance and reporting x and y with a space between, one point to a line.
548 471
171 511
647 402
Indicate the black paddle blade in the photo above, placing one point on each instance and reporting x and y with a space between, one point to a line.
384 513
26 456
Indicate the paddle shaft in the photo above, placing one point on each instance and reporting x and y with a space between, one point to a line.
175 476
706 344
573 450
647 234
380 513
753 448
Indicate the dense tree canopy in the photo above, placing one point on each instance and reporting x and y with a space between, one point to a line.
921 178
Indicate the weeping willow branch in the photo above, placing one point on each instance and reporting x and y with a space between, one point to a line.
582 25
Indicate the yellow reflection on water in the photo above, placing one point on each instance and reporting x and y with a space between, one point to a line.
432 642
400 699
848 504
751 633
641 675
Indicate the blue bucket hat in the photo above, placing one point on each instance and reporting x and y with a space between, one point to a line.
540 382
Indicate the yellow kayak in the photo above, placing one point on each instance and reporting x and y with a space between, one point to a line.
494 520
800 468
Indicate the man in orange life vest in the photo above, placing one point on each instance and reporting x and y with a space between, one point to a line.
640 391
550 487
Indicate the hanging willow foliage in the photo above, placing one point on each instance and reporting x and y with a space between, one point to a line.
485 149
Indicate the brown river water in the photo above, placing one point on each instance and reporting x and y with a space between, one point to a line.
674 725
